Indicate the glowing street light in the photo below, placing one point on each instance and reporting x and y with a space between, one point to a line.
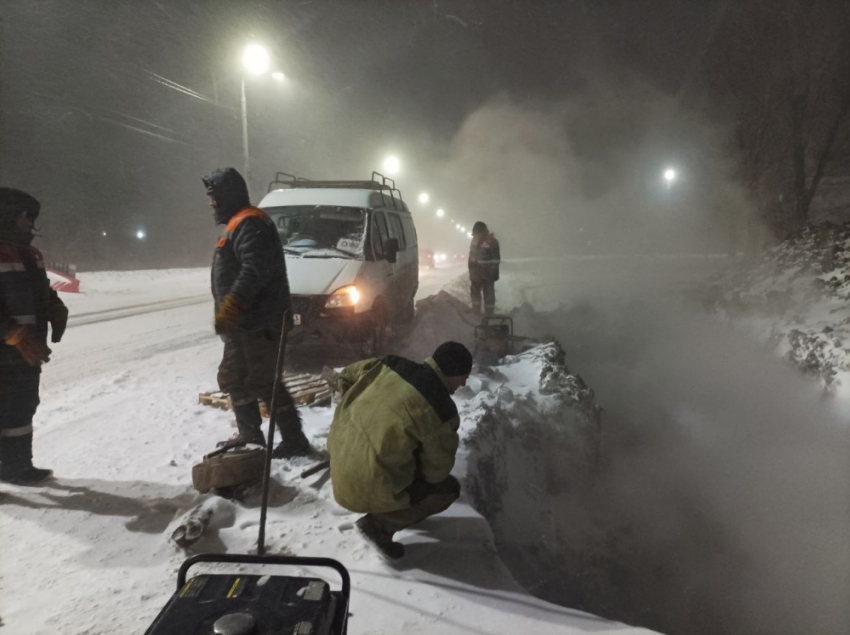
255 59
392 165
278 76
424 198
139 234
670 176
441 212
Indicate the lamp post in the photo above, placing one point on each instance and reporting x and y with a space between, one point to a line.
255 59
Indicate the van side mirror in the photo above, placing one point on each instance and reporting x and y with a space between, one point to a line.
391 249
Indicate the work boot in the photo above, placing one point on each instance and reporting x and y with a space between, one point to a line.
375 534
28 475
248 422
288 420
16 462
294 444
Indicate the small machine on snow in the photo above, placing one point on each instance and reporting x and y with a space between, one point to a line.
240 604
495 339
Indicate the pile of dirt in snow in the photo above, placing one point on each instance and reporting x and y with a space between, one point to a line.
797 295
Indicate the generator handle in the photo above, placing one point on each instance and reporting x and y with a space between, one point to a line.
237 558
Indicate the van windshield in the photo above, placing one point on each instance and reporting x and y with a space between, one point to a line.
320 231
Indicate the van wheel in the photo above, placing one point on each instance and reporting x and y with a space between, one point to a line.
373 345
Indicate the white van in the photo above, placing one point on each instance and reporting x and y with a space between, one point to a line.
351 257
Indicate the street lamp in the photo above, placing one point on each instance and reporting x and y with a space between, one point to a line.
141 234
670 175
424 198
391 165
256 60
441 212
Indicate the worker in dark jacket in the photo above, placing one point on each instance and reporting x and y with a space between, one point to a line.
27 306
393 441
251 294
484 261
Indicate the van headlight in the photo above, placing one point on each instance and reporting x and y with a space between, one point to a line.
343 297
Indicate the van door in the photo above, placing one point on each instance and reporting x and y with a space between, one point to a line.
381 280
407 265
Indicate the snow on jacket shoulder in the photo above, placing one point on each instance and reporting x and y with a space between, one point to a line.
25 293
396 422
249 265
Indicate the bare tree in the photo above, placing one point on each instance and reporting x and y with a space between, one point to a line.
782 70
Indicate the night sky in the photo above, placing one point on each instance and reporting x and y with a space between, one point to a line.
111 111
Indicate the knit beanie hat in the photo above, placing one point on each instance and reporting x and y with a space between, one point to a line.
454 359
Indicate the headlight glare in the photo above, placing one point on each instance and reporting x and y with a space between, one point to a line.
343 297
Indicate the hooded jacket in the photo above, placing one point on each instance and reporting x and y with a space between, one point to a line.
25 293
248 262
396 422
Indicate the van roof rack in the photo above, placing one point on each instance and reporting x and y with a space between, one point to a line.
385 184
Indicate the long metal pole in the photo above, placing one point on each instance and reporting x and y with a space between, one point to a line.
267 472
245 136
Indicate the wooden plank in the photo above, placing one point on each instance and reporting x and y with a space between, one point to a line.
307 396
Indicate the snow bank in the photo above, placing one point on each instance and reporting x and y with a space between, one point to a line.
797 296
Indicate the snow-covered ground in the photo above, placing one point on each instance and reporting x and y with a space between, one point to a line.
88 554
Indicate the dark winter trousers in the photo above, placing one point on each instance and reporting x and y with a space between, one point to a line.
247 373
426 499
18 403
479 286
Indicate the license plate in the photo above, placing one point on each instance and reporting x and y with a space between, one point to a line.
296 319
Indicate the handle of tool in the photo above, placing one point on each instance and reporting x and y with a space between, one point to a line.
267 472
318 467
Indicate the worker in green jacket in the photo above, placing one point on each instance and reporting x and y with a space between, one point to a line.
393 441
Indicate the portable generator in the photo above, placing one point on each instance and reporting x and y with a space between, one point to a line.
240 604
495 339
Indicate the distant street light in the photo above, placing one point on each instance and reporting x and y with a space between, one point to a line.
139 234
441 212
104 233
392 165
424 198
277 75
670 176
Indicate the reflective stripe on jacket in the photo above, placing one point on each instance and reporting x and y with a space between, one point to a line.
396 422
249 265
25 293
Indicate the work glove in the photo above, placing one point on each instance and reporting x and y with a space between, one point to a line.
57 315
228 314
34 352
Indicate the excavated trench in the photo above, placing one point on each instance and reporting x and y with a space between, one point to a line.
675 508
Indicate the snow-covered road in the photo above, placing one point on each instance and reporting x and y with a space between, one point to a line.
119 423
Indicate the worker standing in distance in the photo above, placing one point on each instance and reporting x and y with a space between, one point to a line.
393 441
27 305
484 261
251 293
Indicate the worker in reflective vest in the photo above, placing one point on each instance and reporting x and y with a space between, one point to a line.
27 306
484 261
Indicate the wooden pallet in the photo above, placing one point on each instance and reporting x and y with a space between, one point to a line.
306 390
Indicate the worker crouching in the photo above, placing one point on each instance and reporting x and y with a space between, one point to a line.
394 439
